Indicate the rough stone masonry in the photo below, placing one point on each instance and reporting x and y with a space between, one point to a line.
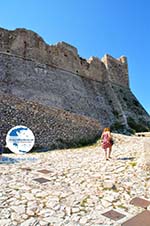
56 77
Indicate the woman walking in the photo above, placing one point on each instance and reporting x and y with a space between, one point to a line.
107 142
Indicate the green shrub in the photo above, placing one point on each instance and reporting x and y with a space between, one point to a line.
116 113
136 126
136 103
117 126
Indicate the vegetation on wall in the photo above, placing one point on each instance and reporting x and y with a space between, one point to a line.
138 127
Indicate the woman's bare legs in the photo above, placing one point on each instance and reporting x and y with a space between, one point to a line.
109 153
106 151
106 154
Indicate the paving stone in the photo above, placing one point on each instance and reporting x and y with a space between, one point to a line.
45 171
5 222
26 169
75 180
5 213
41 180
19 209
30 221
142 219
114 215
140 202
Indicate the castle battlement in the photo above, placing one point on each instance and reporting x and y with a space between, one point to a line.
28 44
117 69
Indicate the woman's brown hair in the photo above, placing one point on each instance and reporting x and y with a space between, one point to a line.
106 129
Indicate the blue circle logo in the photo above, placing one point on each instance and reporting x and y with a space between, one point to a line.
20 139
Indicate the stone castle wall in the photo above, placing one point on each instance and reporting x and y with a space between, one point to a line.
27 44
56 76
54 87
52 128
117 70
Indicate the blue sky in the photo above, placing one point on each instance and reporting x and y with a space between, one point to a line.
95 27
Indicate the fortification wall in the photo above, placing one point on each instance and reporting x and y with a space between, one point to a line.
117 70
56 76
54 87
131 110
52 128
29 45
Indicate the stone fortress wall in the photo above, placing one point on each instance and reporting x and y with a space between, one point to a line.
29 45
53 128
55 76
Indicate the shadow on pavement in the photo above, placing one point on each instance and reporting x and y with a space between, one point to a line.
126 158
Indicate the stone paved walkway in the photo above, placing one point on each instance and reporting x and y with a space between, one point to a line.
80 187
